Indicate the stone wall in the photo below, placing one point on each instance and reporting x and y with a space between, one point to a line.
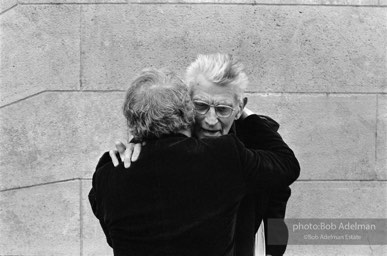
318 67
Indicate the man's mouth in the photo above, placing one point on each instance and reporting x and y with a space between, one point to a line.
211 133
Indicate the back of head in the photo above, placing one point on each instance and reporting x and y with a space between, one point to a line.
220 69
157 103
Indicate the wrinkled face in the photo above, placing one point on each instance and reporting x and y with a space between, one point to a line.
210 124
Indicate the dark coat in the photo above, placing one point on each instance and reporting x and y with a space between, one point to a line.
269 205
182 196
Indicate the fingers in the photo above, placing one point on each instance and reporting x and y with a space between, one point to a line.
114 158
130 137
128 155
136 152
120 146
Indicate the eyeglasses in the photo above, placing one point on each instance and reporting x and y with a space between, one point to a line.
221 111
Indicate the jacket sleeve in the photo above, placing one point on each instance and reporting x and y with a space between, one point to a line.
276 231
95 198
268 160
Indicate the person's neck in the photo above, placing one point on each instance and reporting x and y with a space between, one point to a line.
186 132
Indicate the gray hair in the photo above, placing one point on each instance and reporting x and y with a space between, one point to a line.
220 69
157 103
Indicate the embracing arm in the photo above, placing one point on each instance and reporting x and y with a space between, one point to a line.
276 160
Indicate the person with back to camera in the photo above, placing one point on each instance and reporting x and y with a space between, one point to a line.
182 195
219 79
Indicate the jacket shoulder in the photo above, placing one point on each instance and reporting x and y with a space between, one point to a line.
102 169
103 160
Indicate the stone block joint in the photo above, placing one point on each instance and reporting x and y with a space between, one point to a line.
8 9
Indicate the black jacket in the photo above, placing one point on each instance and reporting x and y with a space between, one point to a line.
267 205
182 196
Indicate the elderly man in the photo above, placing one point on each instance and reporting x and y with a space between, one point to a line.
218 80
183 194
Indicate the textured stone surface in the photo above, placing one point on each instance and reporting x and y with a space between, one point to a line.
199 1
332 135
7 4
284 48
94 240
240 2
57 136
331 199
338 199
288 2
39 50
334 250
305 47
330 2
72 1
306 2
381 142
42 220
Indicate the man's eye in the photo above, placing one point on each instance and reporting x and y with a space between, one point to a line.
223 110
200 106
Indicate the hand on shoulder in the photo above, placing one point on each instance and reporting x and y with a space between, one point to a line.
127 154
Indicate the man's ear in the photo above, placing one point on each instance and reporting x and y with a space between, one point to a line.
242 105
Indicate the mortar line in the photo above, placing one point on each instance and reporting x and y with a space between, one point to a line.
80 218
196 3
340 180
315 93
10 8
249 92
257 4
48 91
80 48
299 180
22 99
305 180
39 184
376 132
254 4
74 3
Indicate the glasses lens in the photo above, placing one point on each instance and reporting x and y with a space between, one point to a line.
223 111
201 107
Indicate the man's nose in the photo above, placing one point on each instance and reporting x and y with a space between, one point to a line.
211 117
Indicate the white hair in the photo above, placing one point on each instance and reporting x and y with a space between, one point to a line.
220 69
